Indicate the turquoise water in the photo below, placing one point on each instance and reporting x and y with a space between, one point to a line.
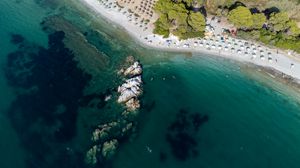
197 110
249 124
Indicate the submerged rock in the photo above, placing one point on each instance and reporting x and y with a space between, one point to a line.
103 131
91 155
128 127
121 71
108 97
100 134
130 59
109 148
130 115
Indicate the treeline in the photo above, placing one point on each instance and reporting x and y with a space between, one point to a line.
272 22
176 17
275 28
292 7
251 17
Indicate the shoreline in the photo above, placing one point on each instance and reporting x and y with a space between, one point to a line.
269 58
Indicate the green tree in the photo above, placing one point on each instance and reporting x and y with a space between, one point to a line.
181 19
179 7
172 15
258 20
294 30
180 31
197 21
187 2
163 6
241 17
162 26
279 21
176 18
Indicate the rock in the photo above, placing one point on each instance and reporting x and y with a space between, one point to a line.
109 148
130 115
133 70
121 71
108 97
135 81
127 127
133 104
130 59
129 83
103 131
91 155
130 89
113 124
100 134
126 95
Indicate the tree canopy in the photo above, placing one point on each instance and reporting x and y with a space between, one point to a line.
196 21
294 30
241 17
258 20
278 21
177 19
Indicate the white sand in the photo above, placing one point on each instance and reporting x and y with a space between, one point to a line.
281 61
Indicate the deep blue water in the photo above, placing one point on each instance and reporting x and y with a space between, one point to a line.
58 61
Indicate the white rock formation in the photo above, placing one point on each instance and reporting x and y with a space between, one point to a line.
126 95
135 69
133 104
131 89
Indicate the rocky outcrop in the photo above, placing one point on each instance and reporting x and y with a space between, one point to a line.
103 131
109 148
107 135
91 155
132 88
133 70
133 104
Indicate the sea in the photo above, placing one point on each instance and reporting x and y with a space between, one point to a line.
58 62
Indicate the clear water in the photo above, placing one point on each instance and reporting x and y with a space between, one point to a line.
198 110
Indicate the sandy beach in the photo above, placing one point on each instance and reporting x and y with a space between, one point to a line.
237 49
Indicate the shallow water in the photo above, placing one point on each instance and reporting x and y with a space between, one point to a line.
197 110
